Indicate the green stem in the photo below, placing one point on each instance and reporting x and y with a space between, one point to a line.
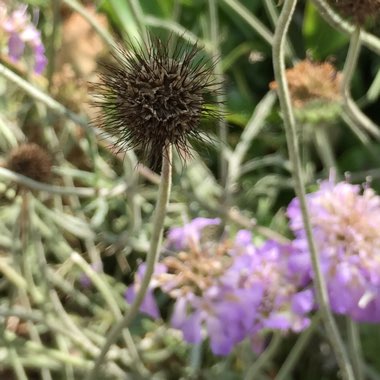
103 33
220 97
350 65
139 17
355 348
336 22
253 22
39 95
83 192
152 257
293 148
324 148
106 291
264 358
297 350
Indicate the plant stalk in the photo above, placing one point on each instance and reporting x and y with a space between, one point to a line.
293 148
152 257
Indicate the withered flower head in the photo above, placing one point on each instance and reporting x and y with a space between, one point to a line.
310 81
359 11
30 160
151 98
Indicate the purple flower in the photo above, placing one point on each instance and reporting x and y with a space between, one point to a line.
180 238
285 303
22 37
230 290
345 220
149 305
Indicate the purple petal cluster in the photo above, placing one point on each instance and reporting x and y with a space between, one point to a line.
346 226
229 290
21 37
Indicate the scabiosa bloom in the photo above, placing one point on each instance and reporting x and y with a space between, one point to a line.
32 161
285 301
150 98
180 238
22 36
231 290
345 220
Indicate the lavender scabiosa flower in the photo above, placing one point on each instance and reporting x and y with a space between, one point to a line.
231 290
22 37
285 300
345 220
180 238
151 98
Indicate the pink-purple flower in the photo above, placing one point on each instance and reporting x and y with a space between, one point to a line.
345 220
21 37
229 290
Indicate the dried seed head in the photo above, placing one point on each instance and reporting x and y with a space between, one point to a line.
32 161
359 11
309 81
151 98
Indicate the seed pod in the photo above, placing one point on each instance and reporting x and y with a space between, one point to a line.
149 98
32 161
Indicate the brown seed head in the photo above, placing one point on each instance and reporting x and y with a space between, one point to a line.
32 161
310 81
152 98
359 11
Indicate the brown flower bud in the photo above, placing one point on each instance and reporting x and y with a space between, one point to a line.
32 161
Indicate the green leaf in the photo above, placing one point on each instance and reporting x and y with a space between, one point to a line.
320 38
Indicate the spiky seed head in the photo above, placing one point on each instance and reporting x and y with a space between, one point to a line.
30 160
150 98
359 11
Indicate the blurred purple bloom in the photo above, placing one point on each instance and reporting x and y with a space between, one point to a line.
149 305
284 304
228 291
345 220
180 238
22 36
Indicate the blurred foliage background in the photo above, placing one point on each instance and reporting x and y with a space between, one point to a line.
97 227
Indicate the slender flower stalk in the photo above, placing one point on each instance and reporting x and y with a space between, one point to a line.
349 68
152 256
265 357
291 136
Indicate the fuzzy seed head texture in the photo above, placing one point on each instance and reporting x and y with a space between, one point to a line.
32 161
312 81
359 11
151 98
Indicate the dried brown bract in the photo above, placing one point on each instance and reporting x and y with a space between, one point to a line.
32 161
151 98
309 81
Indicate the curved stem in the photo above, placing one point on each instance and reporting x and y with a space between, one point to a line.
333 19
265 357
351 107
152 256
291 137
251 20
297 350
